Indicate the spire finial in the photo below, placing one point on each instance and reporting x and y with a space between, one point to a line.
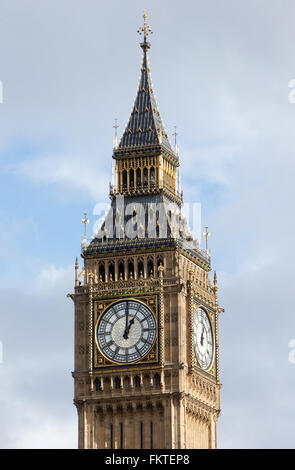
215 279
85 221
145 30
175 140
206 235
215 284
115 139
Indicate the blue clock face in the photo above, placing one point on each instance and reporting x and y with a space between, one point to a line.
126 331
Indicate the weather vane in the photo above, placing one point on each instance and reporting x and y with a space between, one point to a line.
145 28
206 235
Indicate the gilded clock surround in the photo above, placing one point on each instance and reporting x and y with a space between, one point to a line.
152 357
164 400
211 316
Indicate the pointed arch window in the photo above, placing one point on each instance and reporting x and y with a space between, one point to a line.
101 272
121 270
145 176
130 269
150 267
124 179
138 177
140 268
111 272
152 176
131 178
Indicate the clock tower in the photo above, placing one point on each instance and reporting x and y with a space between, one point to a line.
146 370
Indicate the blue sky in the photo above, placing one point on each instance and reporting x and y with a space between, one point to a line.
220 72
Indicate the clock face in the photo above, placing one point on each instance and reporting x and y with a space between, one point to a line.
126 331
202 338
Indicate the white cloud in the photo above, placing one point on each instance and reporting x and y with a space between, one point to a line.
50 276
78 173
222 76
36 385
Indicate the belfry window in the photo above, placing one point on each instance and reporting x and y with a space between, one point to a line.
111 272
150 268
130 270
101 272
124 179
121 270
145 176
140 269
138 177
152 176
131 178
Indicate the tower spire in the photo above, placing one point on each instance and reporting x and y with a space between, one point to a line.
145 127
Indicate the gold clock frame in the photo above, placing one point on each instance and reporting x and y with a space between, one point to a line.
211 369
101 306
211 320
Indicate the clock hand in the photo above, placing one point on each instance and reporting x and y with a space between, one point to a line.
202 336
131 323
125 335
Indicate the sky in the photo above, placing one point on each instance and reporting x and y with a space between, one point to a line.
221 73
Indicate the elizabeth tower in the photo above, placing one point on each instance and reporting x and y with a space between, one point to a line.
146 313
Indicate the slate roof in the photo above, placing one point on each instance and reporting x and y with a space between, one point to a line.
118 226
145 126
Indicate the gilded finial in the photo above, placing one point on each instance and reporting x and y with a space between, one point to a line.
76 272
160 270
207 235
215 285
115 138
145 30
175 140
90 277
85 221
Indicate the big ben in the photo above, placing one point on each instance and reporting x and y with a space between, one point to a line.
146 372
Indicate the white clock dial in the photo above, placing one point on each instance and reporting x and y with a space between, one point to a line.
202 338
126 331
